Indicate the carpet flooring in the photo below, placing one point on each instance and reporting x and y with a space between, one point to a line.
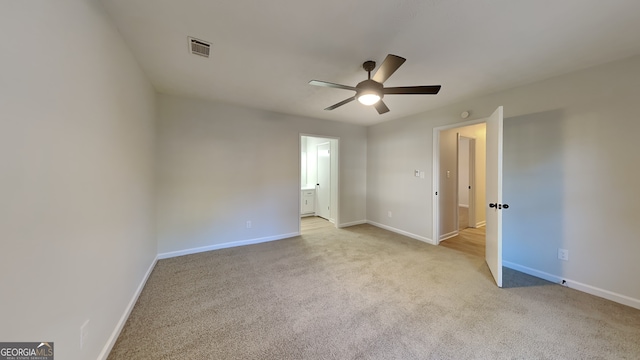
364 293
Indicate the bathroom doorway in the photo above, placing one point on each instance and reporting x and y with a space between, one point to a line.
319 174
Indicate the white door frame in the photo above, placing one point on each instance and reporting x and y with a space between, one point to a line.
472 182
335 179
436 172
323 213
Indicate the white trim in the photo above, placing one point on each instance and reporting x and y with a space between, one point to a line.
435 186
226 245
402 232
123 319
481 224
352 223
449 235
300 183
609 295
463 206
605 294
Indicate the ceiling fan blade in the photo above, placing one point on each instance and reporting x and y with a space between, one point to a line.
381 107
390 64
412 90
332 85
345 101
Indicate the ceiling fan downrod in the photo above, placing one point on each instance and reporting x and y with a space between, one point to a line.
368 66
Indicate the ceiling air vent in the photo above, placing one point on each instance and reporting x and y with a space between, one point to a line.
199 47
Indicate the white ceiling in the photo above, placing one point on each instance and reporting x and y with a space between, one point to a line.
265 52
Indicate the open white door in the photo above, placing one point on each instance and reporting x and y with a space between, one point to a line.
323 187
493 246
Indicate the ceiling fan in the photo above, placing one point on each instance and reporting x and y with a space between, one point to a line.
371 91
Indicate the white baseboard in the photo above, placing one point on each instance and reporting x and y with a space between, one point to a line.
171 254
123 319
463 206
352 223
449 235
402 232
481 224
606 294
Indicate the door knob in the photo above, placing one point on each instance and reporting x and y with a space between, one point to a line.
499 206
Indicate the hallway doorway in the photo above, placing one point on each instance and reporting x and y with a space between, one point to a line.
461 181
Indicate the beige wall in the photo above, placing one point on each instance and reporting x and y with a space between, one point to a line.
76 147
568 146
221 165
394 150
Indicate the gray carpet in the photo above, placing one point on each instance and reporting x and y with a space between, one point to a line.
364 293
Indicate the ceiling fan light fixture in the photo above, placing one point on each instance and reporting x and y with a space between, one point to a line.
368 98
371 91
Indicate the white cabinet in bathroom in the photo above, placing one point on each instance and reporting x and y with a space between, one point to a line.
307 202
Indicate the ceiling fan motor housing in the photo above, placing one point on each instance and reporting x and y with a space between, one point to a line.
368 87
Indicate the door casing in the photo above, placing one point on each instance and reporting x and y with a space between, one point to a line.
436 173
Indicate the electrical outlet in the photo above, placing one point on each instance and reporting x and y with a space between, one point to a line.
416 173
249 224
390 214
563 254
84 333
